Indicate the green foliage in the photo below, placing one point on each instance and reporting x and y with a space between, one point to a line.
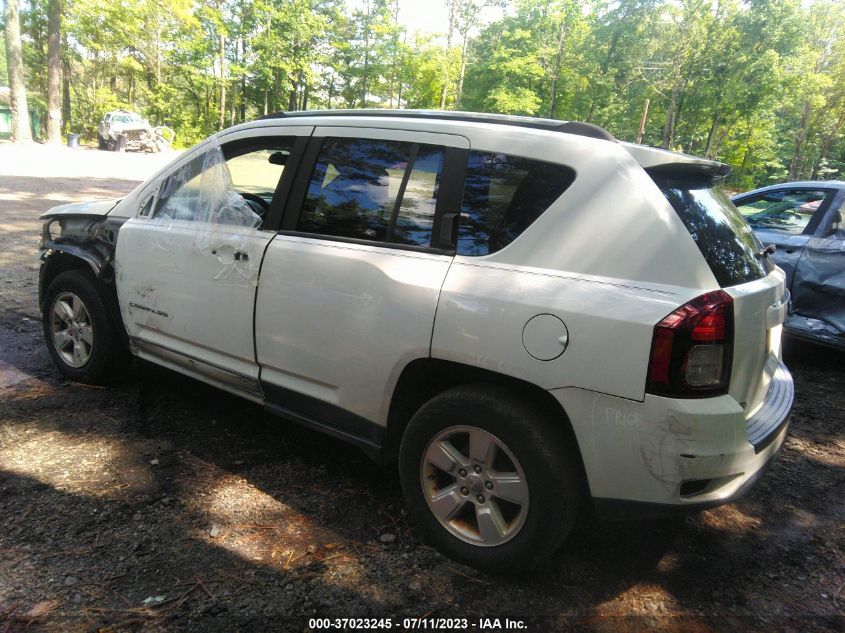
759 84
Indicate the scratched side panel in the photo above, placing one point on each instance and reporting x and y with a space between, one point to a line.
484 307
187 300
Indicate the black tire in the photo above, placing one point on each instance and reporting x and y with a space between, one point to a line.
548 460
101 142
108 357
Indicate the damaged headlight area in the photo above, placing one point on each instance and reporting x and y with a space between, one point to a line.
72 229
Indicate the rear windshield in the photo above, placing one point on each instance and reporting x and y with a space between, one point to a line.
721 233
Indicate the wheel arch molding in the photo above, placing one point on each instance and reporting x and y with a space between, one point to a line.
424 378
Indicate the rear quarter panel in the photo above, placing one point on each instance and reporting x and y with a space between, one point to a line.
484 308
610 258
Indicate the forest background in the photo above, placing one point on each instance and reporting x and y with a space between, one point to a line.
758 84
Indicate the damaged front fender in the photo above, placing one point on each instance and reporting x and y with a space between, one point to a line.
77 240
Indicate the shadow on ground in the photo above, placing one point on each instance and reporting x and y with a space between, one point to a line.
163 503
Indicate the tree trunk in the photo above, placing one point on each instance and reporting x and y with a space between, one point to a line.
720 139
14 60
825 148
795 163
453 16
561 38
158 46
54 72
222 81
395 42
243 95
459 93
277 90
365 74
233 106
669 127
592 111
293 97
65 88
643 120
746 155
711 135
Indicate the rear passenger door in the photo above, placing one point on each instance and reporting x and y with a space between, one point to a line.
349 287
818 289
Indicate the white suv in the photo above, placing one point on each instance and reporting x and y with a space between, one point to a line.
528 315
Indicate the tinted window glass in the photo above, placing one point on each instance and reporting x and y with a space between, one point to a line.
503 195
374 190
722 235
784 210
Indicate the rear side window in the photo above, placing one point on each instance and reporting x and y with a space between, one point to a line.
719 230
374 190
503 196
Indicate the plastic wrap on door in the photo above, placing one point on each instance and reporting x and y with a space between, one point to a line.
199 196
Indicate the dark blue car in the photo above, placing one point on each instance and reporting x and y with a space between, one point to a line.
803 221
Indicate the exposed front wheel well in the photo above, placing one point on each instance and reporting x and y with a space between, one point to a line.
424 378
55 264
59 262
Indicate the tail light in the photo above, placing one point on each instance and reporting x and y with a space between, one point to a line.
692 349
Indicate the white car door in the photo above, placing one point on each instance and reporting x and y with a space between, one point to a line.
349 288
187 264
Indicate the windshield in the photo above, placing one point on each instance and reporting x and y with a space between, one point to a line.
720 232
126 118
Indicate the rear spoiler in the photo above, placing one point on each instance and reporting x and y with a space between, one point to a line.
665 166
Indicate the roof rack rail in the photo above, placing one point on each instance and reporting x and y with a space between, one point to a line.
551 125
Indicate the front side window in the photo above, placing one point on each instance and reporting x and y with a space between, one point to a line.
784 210
228 185
258 172
503 196
374 190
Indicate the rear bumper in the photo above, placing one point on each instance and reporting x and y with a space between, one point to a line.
623 510
663 455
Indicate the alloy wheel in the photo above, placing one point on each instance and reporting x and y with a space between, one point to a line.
474 485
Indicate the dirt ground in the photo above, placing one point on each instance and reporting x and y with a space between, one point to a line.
163 504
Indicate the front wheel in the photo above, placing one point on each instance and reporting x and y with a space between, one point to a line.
81 333
489 477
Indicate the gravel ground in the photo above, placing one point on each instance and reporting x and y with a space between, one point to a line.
163 504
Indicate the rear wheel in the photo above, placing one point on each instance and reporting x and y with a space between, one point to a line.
81 334
489 478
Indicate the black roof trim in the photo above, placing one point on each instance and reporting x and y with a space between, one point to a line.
551 125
